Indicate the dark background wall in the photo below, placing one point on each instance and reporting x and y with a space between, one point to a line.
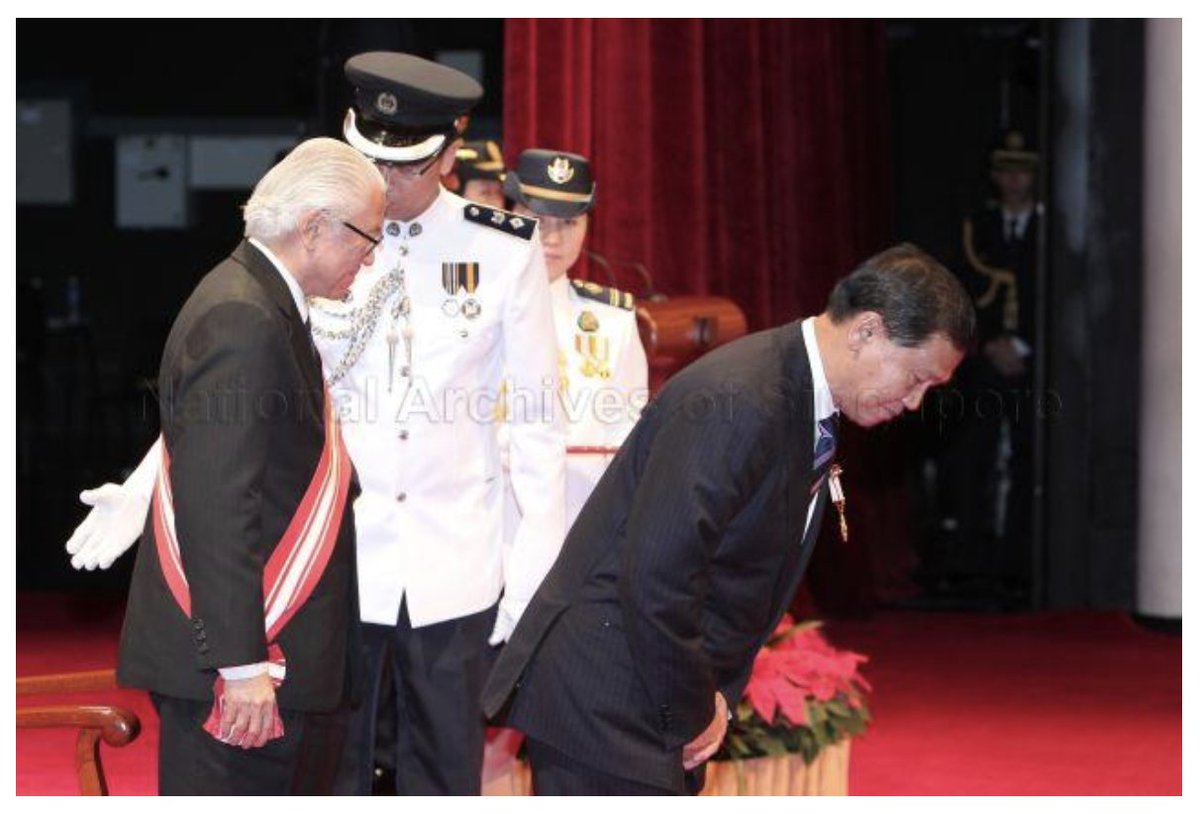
956 85
1094 304
84 410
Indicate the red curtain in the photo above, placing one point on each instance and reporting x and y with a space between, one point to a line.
739 158
746 159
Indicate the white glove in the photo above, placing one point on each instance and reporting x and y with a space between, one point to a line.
110 529
505 625
116 522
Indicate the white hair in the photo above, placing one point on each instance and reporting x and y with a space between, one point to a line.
321 174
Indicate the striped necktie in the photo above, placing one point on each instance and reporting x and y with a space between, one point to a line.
825 447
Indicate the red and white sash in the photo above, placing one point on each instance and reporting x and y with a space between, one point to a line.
295 566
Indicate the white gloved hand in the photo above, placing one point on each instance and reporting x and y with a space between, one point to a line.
505 625
111 527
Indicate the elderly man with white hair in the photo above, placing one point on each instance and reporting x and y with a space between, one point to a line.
242 619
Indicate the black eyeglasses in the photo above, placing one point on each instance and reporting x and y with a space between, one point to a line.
374 241
412 169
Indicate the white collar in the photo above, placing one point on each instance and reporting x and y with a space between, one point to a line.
822 396
293 286
439 208
1019 217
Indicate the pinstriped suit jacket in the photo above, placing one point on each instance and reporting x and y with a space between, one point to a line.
678 568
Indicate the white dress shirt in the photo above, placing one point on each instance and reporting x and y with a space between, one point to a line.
293 286
823 406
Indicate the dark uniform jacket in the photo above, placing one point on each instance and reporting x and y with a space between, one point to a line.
987 244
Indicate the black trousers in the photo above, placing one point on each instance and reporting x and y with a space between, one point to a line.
438 675
556 774
193 762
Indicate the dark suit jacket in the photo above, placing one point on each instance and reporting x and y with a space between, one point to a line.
678 568
241 410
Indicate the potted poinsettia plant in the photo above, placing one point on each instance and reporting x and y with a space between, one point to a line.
790 734
791 731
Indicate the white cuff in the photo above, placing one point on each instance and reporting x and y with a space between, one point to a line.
243 671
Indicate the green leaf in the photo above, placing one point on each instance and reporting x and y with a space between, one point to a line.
737 747
776 749
855 727
809 748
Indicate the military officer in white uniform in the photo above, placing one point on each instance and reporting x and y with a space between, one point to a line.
601 360
417 353
414 359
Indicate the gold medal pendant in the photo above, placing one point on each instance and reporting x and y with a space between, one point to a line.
838 496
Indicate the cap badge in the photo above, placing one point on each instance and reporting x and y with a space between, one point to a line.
385 103
560 170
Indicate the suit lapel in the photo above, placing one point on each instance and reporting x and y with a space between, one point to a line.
800 442
265 273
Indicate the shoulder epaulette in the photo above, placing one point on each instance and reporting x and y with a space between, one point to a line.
609 296
516 225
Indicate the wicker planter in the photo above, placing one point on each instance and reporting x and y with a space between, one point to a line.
786 775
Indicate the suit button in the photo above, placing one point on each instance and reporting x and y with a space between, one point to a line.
403 435
203 648
403 496
198 624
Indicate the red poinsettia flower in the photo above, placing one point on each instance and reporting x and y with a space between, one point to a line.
800 666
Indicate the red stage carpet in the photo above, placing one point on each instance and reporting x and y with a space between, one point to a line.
1055 703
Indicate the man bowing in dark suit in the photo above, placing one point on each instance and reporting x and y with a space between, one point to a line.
242 617
641 638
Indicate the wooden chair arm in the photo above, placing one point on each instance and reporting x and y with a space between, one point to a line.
90 681
116 726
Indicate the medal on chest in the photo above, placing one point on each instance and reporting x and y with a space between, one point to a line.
838 496
460 280
593 348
